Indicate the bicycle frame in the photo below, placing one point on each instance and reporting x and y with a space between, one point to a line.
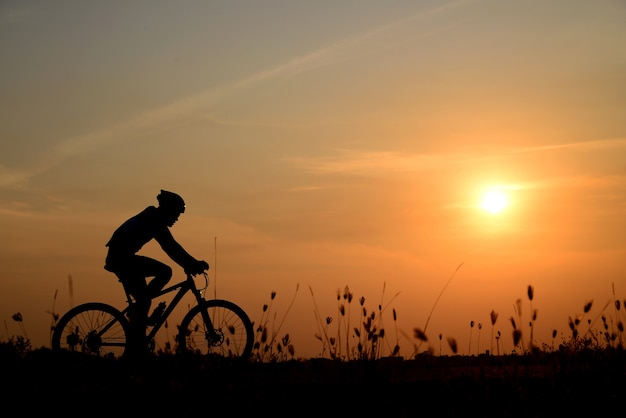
183 287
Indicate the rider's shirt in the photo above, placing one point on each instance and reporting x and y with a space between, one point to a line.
133 234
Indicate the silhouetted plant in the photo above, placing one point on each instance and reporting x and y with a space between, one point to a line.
453 345
267 345
469 348
533 312
493 316
369 335
17 317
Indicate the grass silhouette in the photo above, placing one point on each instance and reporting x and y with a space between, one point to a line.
582 375
347 336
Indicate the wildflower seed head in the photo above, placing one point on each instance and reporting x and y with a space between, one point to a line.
571 323
419 334
588 306
396 350
531 292
453 345
494 317
517 337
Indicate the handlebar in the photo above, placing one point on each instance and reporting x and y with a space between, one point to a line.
191 278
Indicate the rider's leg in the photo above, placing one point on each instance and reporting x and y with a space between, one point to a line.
132 273
162 274
138 311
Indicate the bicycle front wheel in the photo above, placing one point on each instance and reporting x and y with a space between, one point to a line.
231 334
92 328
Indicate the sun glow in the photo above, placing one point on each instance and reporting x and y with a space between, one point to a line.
494 201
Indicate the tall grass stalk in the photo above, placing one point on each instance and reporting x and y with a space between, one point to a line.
322 334
382 307
493 316
618 319
531 293
432 309
469 348
54 317
518 337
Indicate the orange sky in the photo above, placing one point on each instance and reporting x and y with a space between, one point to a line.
320 146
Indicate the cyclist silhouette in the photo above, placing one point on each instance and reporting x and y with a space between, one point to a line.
132 269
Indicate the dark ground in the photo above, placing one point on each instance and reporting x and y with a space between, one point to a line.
555 384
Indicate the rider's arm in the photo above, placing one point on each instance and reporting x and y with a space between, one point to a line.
176 251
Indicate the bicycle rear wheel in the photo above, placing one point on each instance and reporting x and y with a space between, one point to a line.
232 334
92 328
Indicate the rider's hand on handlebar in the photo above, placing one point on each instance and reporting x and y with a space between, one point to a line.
198 268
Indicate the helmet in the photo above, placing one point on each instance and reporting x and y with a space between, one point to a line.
170 200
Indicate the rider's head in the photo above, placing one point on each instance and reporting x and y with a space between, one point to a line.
172 205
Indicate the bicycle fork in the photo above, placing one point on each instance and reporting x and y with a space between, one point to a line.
214 337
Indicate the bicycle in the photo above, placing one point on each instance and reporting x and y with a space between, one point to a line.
212 327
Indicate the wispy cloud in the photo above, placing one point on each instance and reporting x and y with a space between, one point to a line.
388 161
580 146
138 125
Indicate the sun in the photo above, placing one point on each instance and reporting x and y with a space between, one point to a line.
494 201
